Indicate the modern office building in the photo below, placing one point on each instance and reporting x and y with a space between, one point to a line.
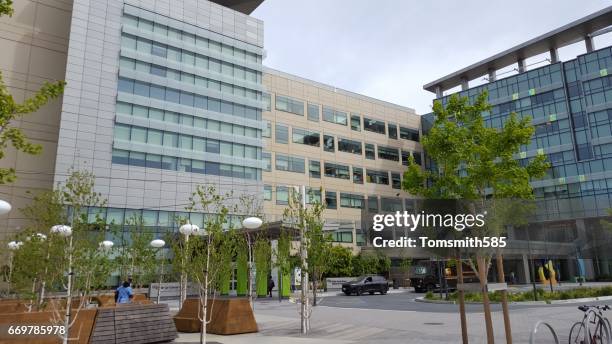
161 96
164 95
570 104
347 149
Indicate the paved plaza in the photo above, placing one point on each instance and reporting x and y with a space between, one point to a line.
394 318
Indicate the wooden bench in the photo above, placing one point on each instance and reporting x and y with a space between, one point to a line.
108 300
229 316
133 323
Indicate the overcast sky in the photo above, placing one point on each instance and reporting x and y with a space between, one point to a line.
388 49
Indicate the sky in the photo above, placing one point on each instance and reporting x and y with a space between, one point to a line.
388 49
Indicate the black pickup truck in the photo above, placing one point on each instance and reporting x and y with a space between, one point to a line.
366 284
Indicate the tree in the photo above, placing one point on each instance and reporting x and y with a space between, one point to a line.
304 218
262 253
473 162
339 262
207 252
10 110
283 262
319 244
135 257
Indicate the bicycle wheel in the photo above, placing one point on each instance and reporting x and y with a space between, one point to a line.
597 330
578 334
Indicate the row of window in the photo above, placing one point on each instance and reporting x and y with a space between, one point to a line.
172 95
313 138
296 106
145 46
347 200
188 78
297 164
171 163
186 120
188 142
187 37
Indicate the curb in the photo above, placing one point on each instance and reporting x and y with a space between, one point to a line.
534 303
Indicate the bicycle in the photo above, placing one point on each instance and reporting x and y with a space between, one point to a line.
593 329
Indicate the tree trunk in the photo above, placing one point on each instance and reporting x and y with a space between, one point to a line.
314 289
504 297
482 275
464 334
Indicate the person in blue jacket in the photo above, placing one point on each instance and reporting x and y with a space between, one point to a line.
124 293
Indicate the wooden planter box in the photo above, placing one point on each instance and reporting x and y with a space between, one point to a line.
229 316
79 332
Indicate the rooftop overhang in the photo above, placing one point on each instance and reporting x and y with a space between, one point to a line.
244 6
565 35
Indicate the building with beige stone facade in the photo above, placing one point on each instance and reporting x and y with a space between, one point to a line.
346 148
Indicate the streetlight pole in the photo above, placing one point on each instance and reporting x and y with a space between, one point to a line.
187 230
251 223
159 244
66 231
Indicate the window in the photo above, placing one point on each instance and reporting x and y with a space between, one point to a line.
357 175
313 195
348 200
267 132
267 159
406 157
267 195
396 180
374 125
159 50
373 204
122 132
334 116
328 143
388 153
336 171
391 204
314 168
306 137
290 105
331 200
370 151
268 100
417 157
281 133
290 163
313 112
349 146
409 134
377 177
282 195
392 131
355 122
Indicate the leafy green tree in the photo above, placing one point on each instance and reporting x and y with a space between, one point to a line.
475 162
242 267
339 262
135 257
283 262
207 251
10 110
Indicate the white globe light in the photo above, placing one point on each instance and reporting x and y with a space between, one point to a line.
252 222
62 230
14 245
188 229
5 207
158 243
107 244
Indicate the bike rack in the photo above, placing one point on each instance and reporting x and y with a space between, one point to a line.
535 331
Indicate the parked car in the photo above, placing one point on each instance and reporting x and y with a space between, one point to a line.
366 284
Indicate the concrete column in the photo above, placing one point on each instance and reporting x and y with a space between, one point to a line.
588 42
438 92
464 84
521 65
526 275
492 74
554 55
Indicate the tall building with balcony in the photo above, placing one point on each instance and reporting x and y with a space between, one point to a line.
570 104
347 149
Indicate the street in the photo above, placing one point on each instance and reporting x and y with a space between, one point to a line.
395 318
